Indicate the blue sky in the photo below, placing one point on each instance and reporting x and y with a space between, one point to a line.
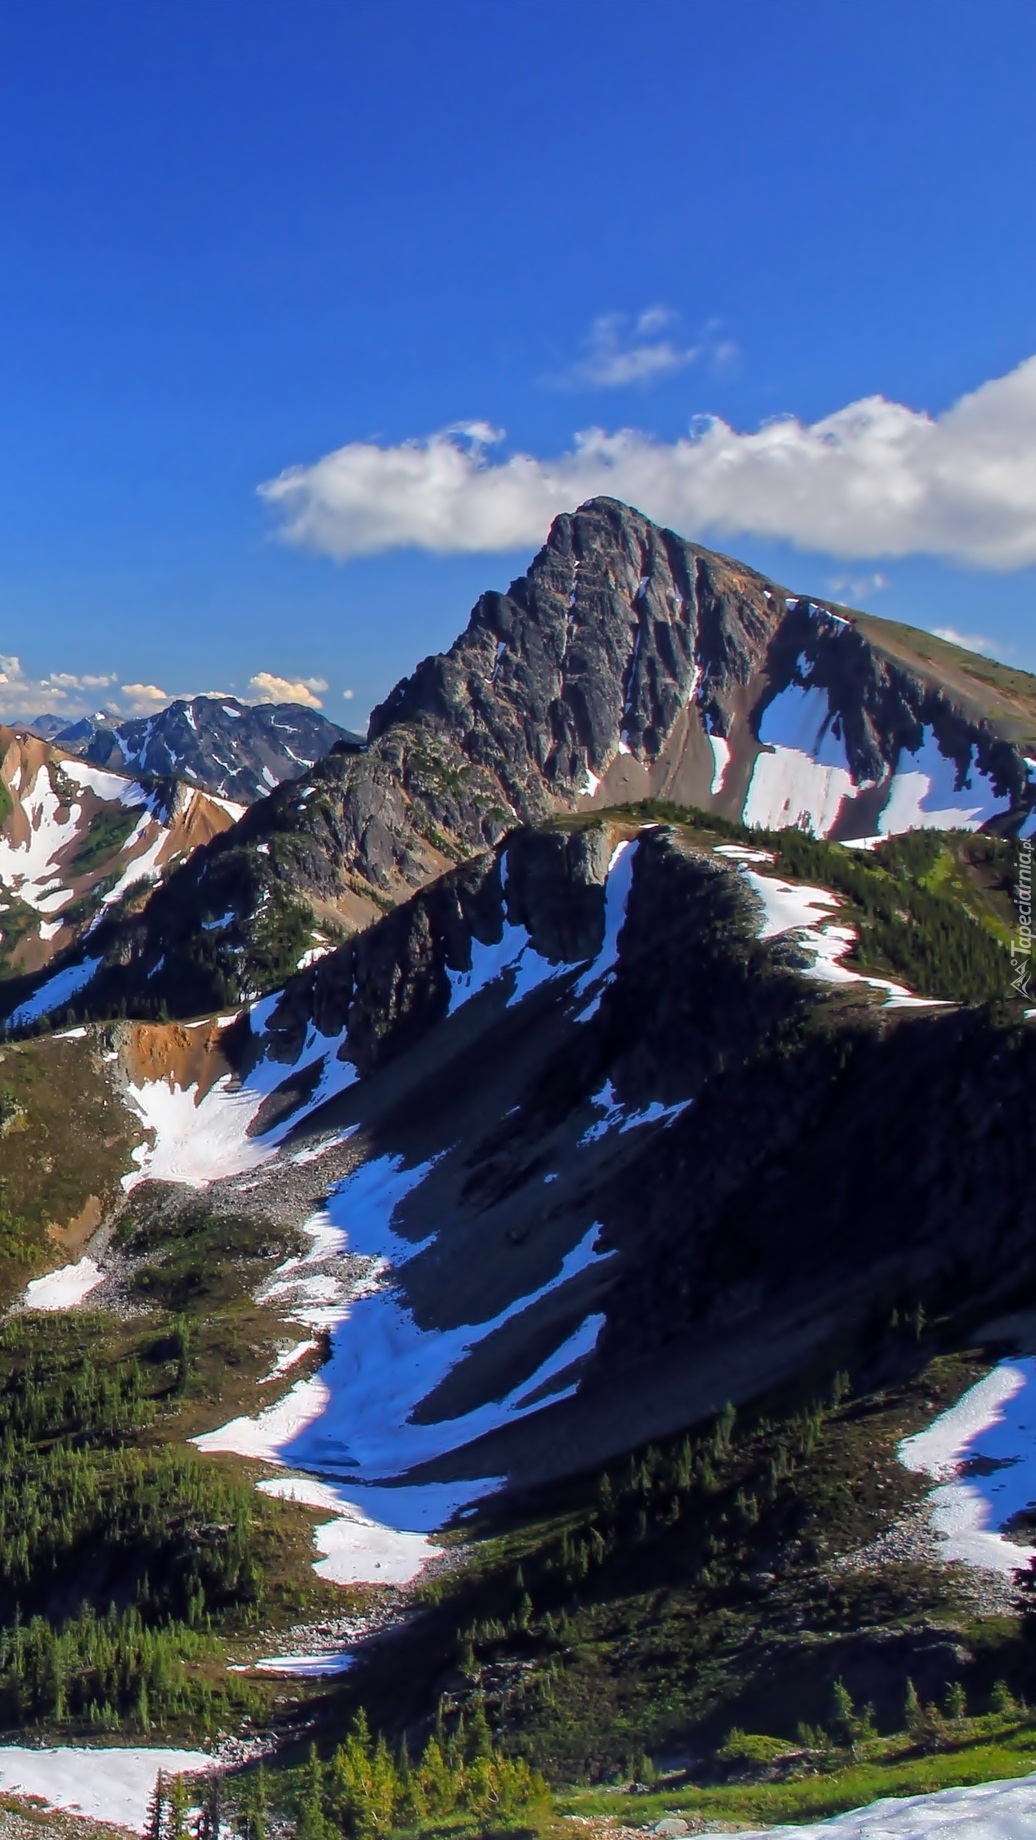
241 238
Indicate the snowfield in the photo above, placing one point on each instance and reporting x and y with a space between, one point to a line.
924 796
199 1140
990 1811
56 991
803 777
350 1428
194 1143
110 1784
982 1456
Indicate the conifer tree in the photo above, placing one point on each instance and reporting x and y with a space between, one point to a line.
412 1807
176 1821
257 1806
312 1823
436 1782
154 1828
210 1814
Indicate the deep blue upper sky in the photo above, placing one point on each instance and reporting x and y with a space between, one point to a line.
238 236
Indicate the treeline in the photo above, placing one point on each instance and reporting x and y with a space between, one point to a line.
104 1672
552 1628
115 1558
158 1528
363 1791
929 939
73 1399
695 1482
932 1725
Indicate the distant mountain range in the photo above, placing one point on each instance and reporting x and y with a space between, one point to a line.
237 750
77 841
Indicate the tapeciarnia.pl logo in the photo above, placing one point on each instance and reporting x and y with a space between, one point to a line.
1021 945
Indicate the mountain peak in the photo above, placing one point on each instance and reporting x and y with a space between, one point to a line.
626 664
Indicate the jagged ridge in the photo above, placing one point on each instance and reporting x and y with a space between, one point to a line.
627 663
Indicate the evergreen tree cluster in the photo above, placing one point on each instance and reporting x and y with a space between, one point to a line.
114 1556
687 1518
103 1672
365 1790
925 936
697 1484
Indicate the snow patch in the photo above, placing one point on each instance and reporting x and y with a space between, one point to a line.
789 789
513 956
988 1811
738 853
804 912
616 1115
194 1143
110 1784
64 1288
616 895
982 1455
56 991
925 796
354 1548
288 1358
351 1426
298 1666
720 762
113 788
800 718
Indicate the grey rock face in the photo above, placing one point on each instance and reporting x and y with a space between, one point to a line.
627 663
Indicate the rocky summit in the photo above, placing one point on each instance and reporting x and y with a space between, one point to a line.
626 664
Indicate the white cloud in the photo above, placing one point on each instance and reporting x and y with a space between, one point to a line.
65 683
267 687
874 479
144 699
621 350
348 695
61 692
972 642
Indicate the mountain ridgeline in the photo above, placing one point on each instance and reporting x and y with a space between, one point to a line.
627 664
236 750
640 1164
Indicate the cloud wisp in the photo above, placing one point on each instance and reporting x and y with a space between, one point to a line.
623 351
267 687
59 690
971 642
875 479
853 590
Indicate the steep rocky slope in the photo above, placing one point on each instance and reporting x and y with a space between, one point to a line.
608 1100
235 750
628 663
611 1128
